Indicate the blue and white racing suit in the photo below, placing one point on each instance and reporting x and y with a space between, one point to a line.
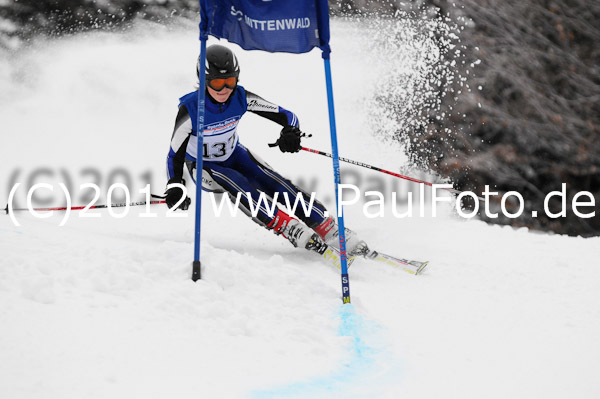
227 164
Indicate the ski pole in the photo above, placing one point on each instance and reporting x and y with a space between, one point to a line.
75 208
375 168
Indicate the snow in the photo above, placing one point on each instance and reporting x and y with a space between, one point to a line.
104 307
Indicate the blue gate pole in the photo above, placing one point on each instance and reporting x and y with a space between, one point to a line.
196 274
336 175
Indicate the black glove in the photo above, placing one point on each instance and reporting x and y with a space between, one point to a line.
174 194
289 139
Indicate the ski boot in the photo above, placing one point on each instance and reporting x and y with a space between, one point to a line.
328 231
296 232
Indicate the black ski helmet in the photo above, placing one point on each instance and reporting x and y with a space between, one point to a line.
220 63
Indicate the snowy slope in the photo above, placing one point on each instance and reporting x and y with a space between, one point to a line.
104 307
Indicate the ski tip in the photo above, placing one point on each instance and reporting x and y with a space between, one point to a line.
420 269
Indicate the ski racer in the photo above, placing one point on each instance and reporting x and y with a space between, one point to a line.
230 167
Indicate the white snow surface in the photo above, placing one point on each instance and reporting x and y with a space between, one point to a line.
105 308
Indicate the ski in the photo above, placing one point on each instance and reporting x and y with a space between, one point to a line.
411 266
330 254
333 256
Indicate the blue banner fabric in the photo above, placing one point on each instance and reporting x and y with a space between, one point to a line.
290 26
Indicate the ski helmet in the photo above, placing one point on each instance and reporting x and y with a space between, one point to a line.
220 63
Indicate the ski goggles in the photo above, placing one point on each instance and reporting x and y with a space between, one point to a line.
219 84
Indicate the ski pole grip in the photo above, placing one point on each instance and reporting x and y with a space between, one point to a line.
275 144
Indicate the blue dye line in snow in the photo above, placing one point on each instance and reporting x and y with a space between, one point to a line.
364 371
